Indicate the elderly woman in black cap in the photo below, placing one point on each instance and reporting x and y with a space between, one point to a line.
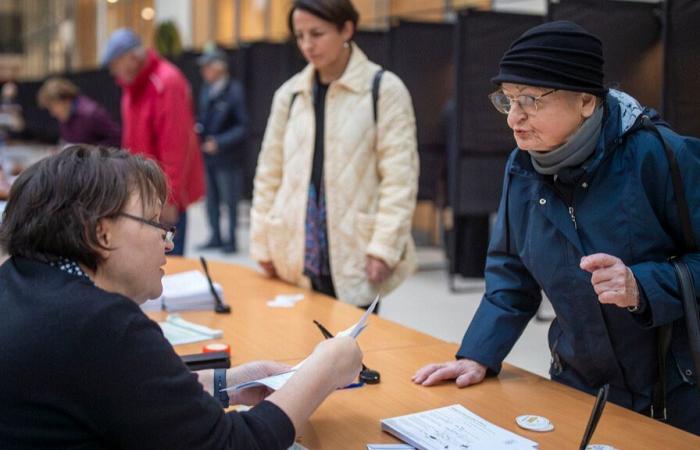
589 216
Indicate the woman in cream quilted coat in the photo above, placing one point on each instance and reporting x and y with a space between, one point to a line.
335 190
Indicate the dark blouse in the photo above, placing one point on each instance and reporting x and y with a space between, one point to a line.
84 368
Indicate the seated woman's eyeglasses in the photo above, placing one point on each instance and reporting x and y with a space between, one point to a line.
528 103
170 230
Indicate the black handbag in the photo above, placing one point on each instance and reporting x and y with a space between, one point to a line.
685 282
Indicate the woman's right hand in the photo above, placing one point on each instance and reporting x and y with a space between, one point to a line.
268 268
343 355
463 371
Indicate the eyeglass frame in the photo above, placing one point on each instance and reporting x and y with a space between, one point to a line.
535 100
170 230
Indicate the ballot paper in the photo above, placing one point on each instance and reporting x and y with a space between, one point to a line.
185 291
453 427
389 447
179 331
277 381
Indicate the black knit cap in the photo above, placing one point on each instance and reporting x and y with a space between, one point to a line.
559 55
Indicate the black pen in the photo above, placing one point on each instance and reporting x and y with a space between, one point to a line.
595 416
367 375
220 307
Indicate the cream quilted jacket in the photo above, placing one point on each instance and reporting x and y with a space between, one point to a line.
370 173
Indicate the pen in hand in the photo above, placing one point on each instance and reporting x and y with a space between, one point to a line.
367 375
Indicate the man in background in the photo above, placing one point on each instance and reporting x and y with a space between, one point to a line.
158 121
222 124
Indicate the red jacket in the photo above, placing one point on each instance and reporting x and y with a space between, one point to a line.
158 122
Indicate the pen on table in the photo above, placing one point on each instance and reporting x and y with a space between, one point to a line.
595 416
220 307
367 375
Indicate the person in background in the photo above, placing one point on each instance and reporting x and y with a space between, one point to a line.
335 186
82 365
158 121
82 120
222 124
588 215
11 119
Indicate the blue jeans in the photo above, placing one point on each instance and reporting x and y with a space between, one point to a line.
179 240
224 185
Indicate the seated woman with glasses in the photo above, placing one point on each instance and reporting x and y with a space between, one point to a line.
588 215
82 366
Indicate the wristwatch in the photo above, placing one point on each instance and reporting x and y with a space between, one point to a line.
219 385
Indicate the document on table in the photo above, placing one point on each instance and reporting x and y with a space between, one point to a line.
277 381
453 427
185 291
179 331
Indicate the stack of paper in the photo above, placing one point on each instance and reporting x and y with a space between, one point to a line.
185 291
179 331
275 382
453 427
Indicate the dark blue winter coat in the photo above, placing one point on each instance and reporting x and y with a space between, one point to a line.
224 117
623 205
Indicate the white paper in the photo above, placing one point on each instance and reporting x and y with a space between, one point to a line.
453 427
179 331
185 291
285 300
277 381
389 447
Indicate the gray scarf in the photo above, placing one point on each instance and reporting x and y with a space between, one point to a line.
574 151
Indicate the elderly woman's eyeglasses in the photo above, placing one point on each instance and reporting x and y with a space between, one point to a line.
528 103
170 230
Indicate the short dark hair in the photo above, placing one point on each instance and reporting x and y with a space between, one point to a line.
54 206
335 11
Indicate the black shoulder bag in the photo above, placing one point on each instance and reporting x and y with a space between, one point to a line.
685 282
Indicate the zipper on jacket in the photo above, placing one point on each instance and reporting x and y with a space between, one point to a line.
573 216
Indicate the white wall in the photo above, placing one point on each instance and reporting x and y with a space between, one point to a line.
179 11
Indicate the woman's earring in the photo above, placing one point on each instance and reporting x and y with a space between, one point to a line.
346 44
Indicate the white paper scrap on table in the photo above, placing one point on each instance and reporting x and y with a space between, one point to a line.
277 381
389 447
179 331
453 427
285 300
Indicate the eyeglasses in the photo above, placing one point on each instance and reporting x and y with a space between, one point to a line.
170 230
528 103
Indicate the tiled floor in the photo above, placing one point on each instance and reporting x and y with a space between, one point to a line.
423 302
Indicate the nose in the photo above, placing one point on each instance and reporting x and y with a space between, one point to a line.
516 114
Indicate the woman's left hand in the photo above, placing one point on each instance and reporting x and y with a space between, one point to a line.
249 372
377 270
612 280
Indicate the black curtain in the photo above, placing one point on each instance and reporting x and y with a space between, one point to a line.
422 56
682 66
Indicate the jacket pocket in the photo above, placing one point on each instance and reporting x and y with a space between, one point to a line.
276 243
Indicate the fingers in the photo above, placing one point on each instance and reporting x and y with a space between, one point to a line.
448 372
424 372
597 261
471 377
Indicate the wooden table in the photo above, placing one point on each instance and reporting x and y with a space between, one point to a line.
349 419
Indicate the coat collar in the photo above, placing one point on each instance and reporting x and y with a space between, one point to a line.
355 78
149 66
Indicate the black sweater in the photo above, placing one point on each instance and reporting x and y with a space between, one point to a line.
81 368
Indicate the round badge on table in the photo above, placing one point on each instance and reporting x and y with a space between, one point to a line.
216 347
534 423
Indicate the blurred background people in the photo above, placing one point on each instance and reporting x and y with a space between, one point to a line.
222 124
158 121
11 120
81 119
335 188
